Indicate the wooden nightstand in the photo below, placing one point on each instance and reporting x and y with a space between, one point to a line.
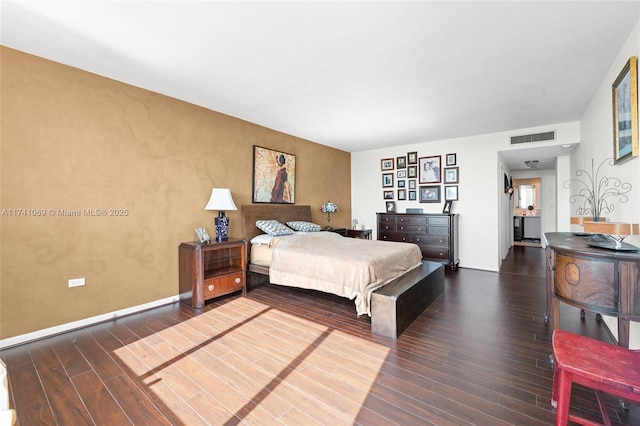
341 231
364 234
211 269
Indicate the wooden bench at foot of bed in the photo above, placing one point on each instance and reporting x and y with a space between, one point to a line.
396 305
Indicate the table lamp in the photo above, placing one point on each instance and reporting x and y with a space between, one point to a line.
221 200
616 231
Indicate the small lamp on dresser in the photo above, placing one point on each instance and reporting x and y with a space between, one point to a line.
221 200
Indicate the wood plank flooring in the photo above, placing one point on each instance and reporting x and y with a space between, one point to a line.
478 355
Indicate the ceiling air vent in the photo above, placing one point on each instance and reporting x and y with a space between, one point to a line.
535 137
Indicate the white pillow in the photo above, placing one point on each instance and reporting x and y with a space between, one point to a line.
301 225
263 239
273 228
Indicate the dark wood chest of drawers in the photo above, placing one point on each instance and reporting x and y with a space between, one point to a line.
436 234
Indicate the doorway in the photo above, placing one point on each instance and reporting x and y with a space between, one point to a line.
527 212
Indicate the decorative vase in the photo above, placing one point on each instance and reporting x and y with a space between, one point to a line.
329 220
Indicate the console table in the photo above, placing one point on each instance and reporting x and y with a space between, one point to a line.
594 279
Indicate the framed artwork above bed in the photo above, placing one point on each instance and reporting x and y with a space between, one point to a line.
274 176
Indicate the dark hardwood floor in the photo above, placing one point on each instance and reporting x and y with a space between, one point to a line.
478 355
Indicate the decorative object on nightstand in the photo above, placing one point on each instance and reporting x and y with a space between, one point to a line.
221 200
329 208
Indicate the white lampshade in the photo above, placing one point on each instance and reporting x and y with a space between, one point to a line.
220 200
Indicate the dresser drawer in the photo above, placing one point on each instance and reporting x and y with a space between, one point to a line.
223 285
438 230
431 241
411 220
386 226
442 220
394 236
388 219
435 252
414 229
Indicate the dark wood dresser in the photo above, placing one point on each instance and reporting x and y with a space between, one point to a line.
436 234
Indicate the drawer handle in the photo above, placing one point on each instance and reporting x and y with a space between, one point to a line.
211 287
238 280
417 240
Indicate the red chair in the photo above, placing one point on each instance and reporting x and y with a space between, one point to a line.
594 364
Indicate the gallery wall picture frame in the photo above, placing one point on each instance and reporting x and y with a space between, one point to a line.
430 169
412 196
450 160
451 174
391 207
451 193
401 183
402 194
387 164
274 176
412 184
401 174
387 195
412 157
401 162
625 113
412 171
387 180
447 207
430 194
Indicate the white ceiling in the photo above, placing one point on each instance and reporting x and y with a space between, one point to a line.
352 75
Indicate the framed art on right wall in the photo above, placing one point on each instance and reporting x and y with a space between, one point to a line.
625 113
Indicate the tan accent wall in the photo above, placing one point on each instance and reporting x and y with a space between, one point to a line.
73 141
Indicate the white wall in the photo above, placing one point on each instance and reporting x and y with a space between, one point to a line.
481 193
597 143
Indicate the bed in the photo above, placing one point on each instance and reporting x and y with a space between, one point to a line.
356 274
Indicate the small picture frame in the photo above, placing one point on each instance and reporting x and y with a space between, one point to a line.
401 174
202 235
412 195
412 157
451 193
391 207
451 175
450 160
401 183
386 164
447 207
402 194
401 162
387 180
430 194
412 172
387 195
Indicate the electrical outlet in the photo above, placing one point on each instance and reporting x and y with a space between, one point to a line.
76 282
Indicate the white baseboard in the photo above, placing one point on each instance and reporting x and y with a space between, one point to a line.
51 331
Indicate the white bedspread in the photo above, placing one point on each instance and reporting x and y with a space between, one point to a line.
347 267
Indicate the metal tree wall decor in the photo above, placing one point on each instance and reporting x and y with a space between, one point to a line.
596 193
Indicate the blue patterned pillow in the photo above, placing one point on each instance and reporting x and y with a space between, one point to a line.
273 228
301 225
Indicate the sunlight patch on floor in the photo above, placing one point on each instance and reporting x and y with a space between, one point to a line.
245 360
